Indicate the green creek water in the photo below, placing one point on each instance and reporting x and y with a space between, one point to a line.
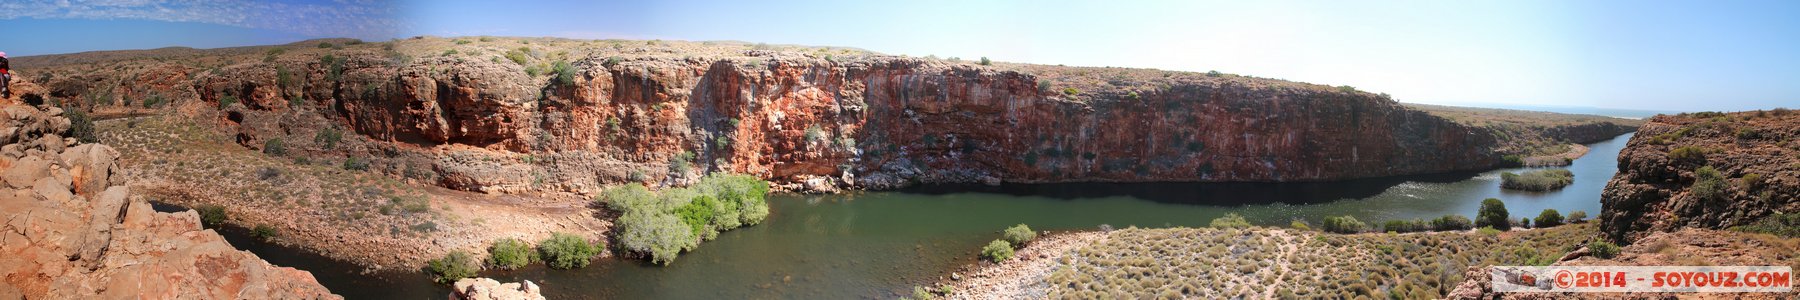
880 244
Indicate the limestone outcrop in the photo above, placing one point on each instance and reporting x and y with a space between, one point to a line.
73 231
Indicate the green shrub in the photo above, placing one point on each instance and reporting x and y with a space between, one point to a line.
1452 223
1524 222
227 100
1493 214
986 62
997 251
1230 220
1344 224
1299 224
454 266
1549 218
1688 153
1404 226
510 253
517 56
263 232
356 164
661 236
565 73
283 78
1214 73
814 134
153 101
1043 85
697 214
328 138
919 293
1577 216
274 147
1603 249
1513 160
1752 181
1708 184
1539 180
567 251
1747 134
681 163
661 225
211 214
81 127
1784 225
1071 91
1018 235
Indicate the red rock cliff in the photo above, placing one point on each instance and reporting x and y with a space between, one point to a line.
872 121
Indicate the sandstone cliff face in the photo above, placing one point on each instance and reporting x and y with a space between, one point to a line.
1658 187
73 232
870 121
887 121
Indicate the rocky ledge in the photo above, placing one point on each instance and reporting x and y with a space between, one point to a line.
72 231
489 289
1704 170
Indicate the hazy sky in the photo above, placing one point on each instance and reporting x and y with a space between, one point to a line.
1660 55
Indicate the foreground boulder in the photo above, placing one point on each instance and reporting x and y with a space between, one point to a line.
72 232
489 289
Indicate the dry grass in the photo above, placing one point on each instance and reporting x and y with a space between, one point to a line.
1263 263
365 217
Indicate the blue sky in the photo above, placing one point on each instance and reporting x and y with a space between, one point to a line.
1657 55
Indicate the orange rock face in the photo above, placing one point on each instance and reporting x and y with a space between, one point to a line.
808 122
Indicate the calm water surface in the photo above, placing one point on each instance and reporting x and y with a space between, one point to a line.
878 245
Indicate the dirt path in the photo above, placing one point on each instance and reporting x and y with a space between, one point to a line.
1023 277
1289 251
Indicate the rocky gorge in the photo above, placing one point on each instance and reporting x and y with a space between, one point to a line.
389 154
551 115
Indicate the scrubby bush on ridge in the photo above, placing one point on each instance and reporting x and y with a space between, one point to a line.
1708 184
